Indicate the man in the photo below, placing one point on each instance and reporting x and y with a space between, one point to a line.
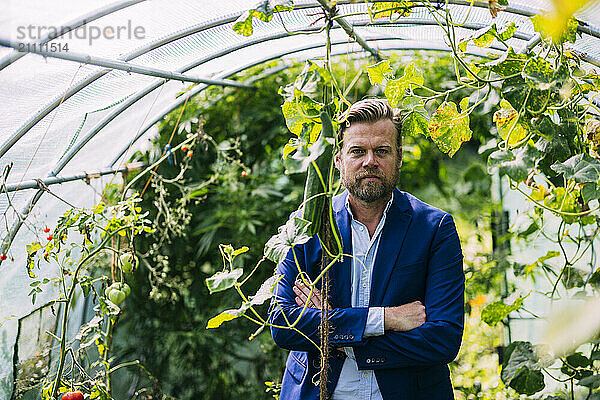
396 306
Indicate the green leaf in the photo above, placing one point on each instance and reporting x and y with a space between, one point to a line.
301 159
302 117
577 360
264 11
290 234
509 63
571 278
484 36
590 191
380 71
521 369
507 123
539 73
581 167
595 280
514 164
416 120
448 128
388 8
528 269
592 382
497 311
395 88
508 31
223 280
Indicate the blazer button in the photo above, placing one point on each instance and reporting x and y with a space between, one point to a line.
351 337
368 361
335 337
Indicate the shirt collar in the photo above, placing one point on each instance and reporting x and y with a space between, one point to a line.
385 211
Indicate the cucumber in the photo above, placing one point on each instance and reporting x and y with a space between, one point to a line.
314 198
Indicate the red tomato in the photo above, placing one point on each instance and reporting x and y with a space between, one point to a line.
190 153
244 174
2 257
184 148
49 237
73 396
46 230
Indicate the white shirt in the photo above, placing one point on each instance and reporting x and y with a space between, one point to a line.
354 384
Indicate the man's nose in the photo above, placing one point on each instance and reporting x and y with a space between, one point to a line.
369 159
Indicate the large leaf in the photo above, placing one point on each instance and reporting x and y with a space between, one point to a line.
263 11
302 117
395 88
509 63
507 123
380 71
223 280
497 311
515 164
299 160
290 234
416 120
521 369
539 73
448 128
581 167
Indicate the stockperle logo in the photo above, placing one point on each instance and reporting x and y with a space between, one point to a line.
89 32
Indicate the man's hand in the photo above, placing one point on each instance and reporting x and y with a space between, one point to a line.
405 317
302 293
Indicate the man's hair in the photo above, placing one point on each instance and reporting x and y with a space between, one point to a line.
371 111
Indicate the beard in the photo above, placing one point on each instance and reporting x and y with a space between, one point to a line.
370 191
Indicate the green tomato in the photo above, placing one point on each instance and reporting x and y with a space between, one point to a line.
116 296
125 289
108 290
129 262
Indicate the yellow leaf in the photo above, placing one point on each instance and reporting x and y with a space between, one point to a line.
225 316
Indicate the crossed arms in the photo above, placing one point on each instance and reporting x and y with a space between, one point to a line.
419 333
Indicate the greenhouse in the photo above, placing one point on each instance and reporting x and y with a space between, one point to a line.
153 154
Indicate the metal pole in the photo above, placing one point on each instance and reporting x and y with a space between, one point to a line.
35 183
350 31
116 64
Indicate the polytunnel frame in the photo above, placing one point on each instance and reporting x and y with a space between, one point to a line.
121 63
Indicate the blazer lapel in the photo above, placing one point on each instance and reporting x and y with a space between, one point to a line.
340 272
390 244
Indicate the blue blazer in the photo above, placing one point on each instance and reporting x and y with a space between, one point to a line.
419 258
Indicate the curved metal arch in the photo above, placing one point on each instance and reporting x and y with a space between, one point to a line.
27 209
71 26
198 28
197 90
131 100
127 57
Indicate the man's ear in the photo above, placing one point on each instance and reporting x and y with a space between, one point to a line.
336 160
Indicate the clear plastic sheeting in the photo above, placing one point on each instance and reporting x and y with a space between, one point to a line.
61 117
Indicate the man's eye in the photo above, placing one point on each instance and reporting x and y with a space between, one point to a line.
382 151
356 151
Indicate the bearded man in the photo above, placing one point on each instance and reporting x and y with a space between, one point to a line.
397 305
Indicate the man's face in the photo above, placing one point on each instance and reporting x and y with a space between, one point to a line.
369 160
